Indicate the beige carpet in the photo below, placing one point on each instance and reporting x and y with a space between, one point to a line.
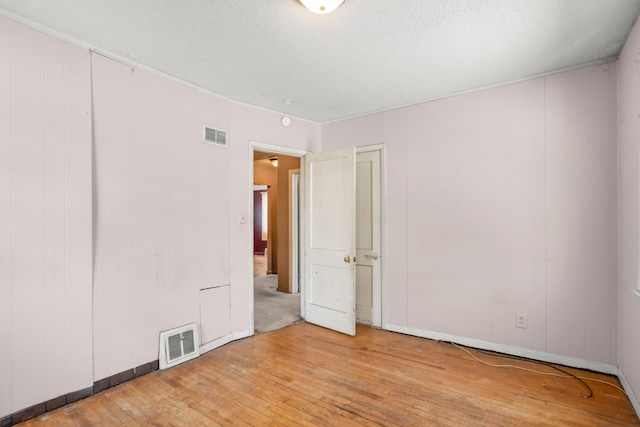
272 309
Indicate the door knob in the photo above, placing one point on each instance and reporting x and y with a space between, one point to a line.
374 255
347 259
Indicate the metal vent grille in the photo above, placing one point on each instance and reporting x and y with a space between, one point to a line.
215 136
178 345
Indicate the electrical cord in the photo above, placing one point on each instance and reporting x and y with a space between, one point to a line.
551 374
508 356
575 377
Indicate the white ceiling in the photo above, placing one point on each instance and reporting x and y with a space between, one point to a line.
367 56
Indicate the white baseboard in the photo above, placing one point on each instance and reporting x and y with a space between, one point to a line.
240 335
212 345
627 388
573 362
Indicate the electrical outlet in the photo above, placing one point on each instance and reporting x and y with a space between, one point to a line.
521 320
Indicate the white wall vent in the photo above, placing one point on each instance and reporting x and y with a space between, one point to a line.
179 345
214 136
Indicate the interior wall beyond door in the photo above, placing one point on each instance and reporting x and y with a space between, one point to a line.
285 164
264 173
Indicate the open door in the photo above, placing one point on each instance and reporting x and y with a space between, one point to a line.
330 218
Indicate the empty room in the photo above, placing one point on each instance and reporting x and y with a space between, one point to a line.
449 190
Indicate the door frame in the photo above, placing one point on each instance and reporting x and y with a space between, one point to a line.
300 153
294 229
275 149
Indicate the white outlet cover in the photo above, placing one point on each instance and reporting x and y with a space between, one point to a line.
521 320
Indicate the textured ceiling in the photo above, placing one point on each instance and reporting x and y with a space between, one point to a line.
367 56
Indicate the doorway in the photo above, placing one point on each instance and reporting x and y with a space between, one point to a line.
275 281
369 242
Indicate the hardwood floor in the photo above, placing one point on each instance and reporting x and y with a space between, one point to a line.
307 375
259 265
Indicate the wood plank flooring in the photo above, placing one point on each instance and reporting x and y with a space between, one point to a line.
307 375
259 265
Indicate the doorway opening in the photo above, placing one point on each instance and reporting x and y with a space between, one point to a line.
368 251
275 240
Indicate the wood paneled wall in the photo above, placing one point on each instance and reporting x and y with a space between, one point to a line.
503 201
45 218
629 211
168 211
158 217
162 208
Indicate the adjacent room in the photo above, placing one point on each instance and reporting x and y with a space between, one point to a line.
276 287
338 213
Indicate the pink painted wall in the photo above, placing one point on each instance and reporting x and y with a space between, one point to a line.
628 191
45 218
167 209
503 201
159 218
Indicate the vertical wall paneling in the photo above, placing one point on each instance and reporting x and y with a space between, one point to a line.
162 233
437 167
28 192
526 207
45 218
118 211
156 163
143 154
486 239
580 156
6 220
167 209
475 192
394 205
78 218
100 291
560 300
55 230
240 190
115 323
600 211
628 210
613 200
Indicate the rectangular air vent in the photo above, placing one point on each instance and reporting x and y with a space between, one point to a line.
179 345
214 136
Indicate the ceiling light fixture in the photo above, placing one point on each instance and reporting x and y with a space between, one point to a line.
321 6
274 161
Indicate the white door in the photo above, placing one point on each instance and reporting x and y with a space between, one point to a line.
368 268
330 240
